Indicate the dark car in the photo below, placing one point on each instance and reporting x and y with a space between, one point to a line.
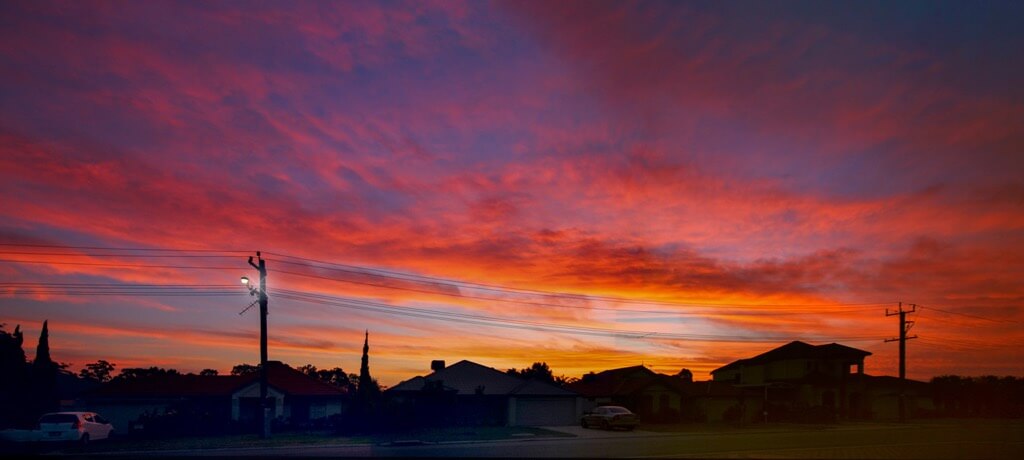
609 417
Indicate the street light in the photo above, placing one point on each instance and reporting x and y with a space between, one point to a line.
245 280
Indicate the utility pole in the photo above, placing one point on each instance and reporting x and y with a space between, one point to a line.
264 412
904 328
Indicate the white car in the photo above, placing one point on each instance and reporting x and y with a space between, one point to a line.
74 426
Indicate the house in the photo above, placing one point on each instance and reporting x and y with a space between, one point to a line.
471 393
217 400
664 398
647 393
711 401
881 395
798 377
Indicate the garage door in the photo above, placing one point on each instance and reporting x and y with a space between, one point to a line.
546 411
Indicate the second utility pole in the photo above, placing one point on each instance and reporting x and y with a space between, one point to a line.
904 327
264 412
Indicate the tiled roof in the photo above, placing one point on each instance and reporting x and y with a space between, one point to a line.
293 382
466 378
279 376
798 350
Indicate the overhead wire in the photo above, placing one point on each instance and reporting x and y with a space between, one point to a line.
492 287
555 305
405 277
519 323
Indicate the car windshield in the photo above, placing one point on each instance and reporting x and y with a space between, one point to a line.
58 418
618 410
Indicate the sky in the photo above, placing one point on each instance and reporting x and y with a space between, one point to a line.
588 184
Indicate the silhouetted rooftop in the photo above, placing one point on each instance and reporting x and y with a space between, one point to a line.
466 377
798 350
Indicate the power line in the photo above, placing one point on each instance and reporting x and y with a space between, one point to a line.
98 289
343 302
368 271
91 264
71 254
968 315
109 248
547 304
492 287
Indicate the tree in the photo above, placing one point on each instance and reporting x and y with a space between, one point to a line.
335 376
208 372
541 372
14 379
100 371
44 375
685 375
368 388
244 369
142 372
308 369
536 371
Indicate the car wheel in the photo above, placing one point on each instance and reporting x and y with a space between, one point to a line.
85 439
583 423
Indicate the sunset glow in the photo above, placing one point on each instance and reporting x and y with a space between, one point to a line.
590 184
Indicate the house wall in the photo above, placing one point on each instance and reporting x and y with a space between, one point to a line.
715 408
752 374
656 400
253 392
123 413
318 410
789 369
725 376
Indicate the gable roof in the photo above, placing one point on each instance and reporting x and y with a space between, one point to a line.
466 377
798 350
293 382
624 381
279 376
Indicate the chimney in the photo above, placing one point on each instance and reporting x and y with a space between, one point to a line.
437 365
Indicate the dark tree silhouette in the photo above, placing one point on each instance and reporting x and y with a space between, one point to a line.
335 376
537 371
367 389
541 371
100 371
209 372
14 379
685 375
985 396
143 372
244 369
44 376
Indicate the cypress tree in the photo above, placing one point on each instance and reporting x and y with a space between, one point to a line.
44 375
368 388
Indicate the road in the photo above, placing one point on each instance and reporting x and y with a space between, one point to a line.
941 441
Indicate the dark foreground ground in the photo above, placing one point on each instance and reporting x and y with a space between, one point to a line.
946 439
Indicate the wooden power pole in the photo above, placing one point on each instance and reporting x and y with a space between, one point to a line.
904 328
264 407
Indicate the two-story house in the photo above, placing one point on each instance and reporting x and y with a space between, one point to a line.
799 377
